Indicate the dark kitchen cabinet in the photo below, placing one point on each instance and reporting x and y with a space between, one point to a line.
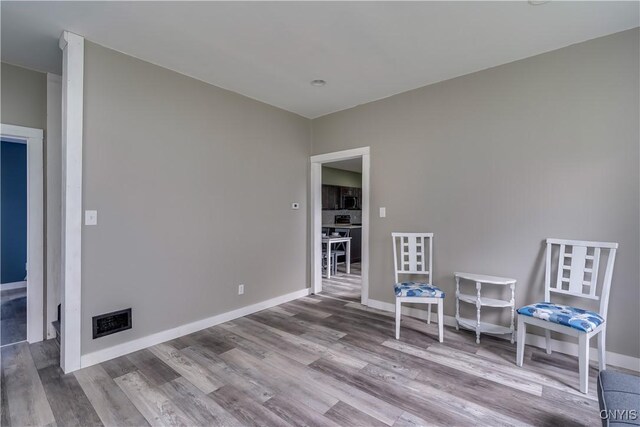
356 244
333 196
325 197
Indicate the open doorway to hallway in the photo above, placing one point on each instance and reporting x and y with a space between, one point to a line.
342 229
13 236
339 226
21 234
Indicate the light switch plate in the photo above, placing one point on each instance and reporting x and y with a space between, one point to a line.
383 212
295 205
90 217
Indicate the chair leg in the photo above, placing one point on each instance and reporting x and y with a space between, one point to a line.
547 340
522 333
583 362
440 321
429 314
398 314
602 352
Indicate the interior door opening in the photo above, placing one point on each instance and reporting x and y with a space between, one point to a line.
21 235
13 236
340 224
342 229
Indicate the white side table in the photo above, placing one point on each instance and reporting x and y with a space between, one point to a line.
480 301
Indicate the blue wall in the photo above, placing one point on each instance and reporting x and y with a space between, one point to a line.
13 203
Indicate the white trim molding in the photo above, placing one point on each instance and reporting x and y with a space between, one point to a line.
315 222
336 156
20 132
103 355
53 203
565 347
12 286
35 225
72 46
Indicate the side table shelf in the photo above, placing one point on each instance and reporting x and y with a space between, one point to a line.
479 301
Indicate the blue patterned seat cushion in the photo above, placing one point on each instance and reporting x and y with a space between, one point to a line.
417 289
583 320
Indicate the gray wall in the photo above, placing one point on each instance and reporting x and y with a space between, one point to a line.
496 161
193 186
24 97
341 177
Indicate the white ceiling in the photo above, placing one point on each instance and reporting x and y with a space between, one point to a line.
270 51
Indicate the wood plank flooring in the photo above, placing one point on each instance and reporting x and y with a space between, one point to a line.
13 316
321 360
342 285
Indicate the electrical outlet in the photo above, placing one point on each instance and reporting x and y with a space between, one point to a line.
240 289
383 212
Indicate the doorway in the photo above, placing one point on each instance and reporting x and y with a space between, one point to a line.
21 235
13 233
340 224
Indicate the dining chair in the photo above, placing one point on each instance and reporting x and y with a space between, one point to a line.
334 261
410 259
341 248
576 265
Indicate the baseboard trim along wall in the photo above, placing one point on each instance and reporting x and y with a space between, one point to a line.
570 348
109 353
13 285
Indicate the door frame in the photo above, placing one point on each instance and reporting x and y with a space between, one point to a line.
315 224
35 225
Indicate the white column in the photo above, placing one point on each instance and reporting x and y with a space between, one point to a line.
72 47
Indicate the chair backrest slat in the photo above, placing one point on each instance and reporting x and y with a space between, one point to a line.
413 257
594 272
578 270
560 267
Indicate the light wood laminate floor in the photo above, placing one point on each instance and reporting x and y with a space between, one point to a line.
13 316
322 360
342 285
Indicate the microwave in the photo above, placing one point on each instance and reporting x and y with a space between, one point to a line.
350 202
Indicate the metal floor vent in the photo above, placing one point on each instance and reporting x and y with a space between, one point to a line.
110 323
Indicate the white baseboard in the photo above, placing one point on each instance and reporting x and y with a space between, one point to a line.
109 353
13 285
565 347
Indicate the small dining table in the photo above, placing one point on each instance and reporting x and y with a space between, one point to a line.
332 240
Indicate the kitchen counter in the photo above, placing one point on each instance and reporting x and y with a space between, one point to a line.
350 226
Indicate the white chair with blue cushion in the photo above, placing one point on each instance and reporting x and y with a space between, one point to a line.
576 265
409 258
